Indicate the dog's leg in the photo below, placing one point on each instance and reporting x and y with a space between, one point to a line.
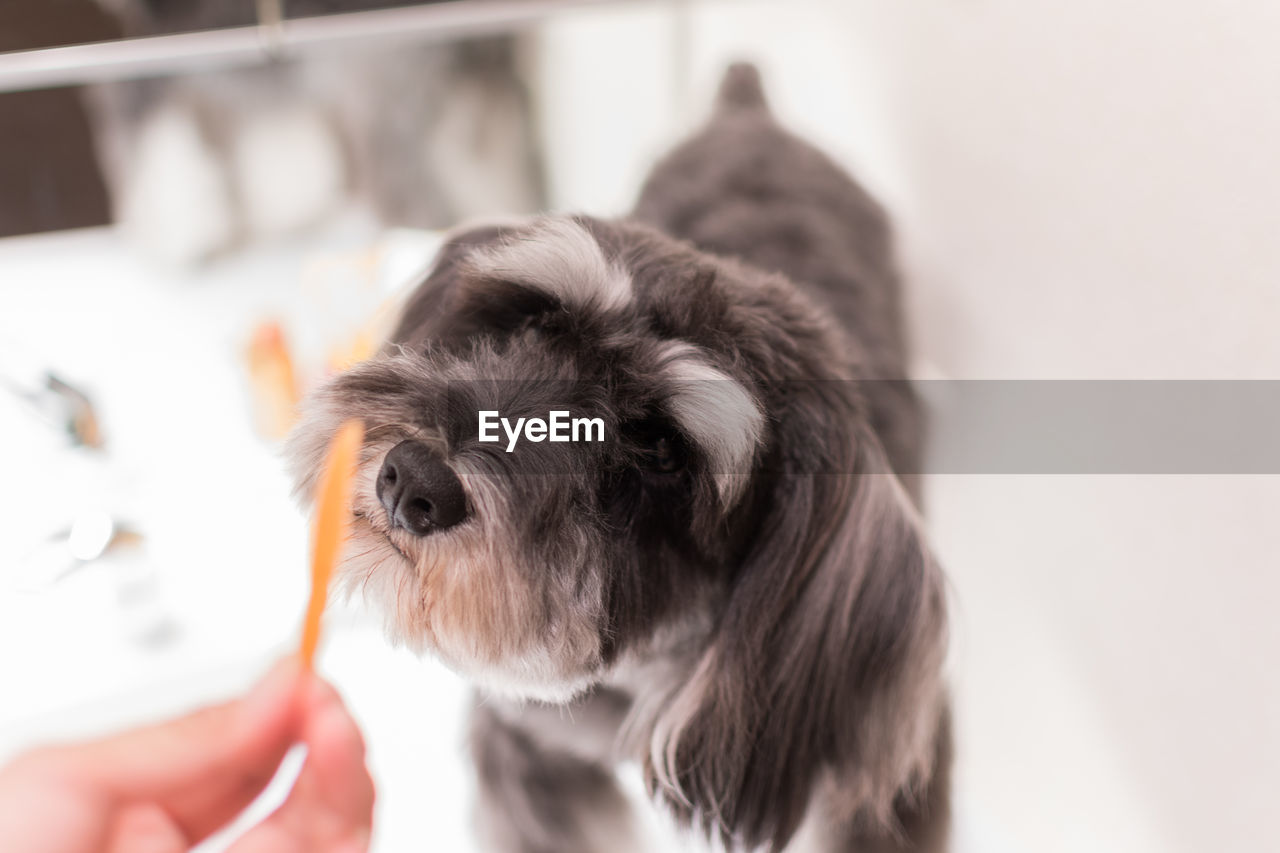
546 780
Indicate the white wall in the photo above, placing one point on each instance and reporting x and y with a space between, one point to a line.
1084 189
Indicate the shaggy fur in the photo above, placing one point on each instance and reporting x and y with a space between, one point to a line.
732 589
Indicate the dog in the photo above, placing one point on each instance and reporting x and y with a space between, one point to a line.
732 587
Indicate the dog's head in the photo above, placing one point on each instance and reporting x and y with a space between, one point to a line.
726 488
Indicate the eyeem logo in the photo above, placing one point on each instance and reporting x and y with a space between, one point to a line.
558 427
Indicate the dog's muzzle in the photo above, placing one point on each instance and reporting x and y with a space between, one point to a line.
420 493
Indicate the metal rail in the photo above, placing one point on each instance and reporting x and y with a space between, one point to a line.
209 50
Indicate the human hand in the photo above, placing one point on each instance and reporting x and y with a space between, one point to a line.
164 788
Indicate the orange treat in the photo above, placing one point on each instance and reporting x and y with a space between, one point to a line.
272 381
332 525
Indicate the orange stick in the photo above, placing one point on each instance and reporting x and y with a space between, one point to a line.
331 528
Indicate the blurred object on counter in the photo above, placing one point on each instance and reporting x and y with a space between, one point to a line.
124 585
348 297
360 348
273 384
90 536
62 406
71 510
423 134
349 302
80 419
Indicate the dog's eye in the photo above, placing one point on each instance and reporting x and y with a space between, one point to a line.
664 454
659 447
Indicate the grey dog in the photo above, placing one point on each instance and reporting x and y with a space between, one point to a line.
730 586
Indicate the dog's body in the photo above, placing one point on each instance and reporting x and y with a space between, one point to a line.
747 189
734 589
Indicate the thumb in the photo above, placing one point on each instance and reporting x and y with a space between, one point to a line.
201 769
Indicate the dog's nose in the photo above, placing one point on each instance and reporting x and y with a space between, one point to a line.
419 491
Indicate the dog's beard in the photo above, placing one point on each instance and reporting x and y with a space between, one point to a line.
473 595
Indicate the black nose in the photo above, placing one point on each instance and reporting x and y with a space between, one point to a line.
419 491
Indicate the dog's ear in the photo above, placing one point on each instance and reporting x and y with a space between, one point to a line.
827 656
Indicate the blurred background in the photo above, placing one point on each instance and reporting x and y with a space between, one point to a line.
219 203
